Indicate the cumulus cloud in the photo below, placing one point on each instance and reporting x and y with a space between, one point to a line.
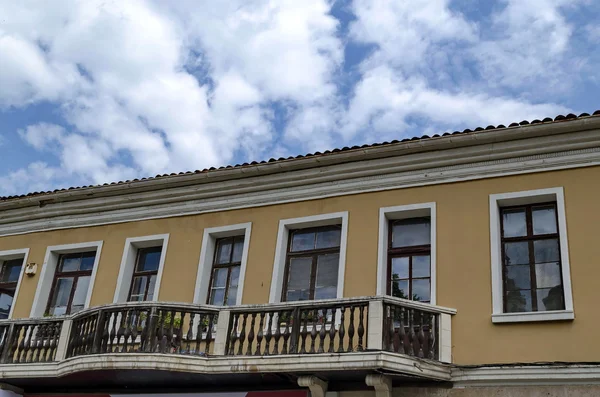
144 87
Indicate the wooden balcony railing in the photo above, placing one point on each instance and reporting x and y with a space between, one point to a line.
310 327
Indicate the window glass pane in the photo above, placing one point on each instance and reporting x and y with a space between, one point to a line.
298 287
224 250
547 275
11 270
219 278
518 277
151 286
231 296
420 266
297 295
217 296
518 301
60 300
516 253
234 276
328 238
421 290
6 300
87 262
138 289
238 249
70 263
514 223
546 251
327 276
149 260
400 267
299 273
81 290
399 288
411 232
303 241
550 299
544 220
13 273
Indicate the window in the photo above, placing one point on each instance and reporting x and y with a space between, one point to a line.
143 281
406 254
226 271
141 268
530 262
312 264
222 266
10 273
71 283
409 259
310 258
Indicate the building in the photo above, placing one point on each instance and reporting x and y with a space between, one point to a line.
456 265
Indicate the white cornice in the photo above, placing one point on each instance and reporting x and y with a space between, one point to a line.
494 158
526 375
292 363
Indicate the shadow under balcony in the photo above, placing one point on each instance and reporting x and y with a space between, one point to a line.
156 346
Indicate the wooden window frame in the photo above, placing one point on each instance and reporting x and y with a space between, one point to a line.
148 274
76 275
6 286
530 238
315 253
229 265
407 252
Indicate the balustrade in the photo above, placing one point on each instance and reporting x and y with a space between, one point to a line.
144 328
298 328
413 331
309 327
30 341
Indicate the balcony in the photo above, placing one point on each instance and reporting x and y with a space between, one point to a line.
150 344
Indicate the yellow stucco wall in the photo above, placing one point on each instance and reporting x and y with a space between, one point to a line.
463 263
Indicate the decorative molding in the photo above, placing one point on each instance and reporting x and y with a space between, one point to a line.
558 315
128 259
381 383
285 225
404 212
405 169
42 292
317 387
375 361
527 375
498 201
207 254
15 254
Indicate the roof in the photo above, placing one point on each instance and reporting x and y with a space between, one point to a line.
547 120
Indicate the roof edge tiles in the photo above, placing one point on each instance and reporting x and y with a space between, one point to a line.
333 152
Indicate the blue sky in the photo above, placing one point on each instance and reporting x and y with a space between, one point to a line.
99 91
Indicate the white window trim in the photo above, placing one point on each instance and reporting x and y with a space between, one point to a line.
285 225
42 292
15 254
528 197
404 212
128 259
207 254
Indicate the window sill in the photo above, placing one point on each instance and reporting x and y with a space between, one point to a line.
559 315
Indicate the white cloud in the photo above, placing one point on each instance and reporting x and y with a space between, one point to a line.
529 46
42 135
36 177
147 87
121 72
384 102
407 32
